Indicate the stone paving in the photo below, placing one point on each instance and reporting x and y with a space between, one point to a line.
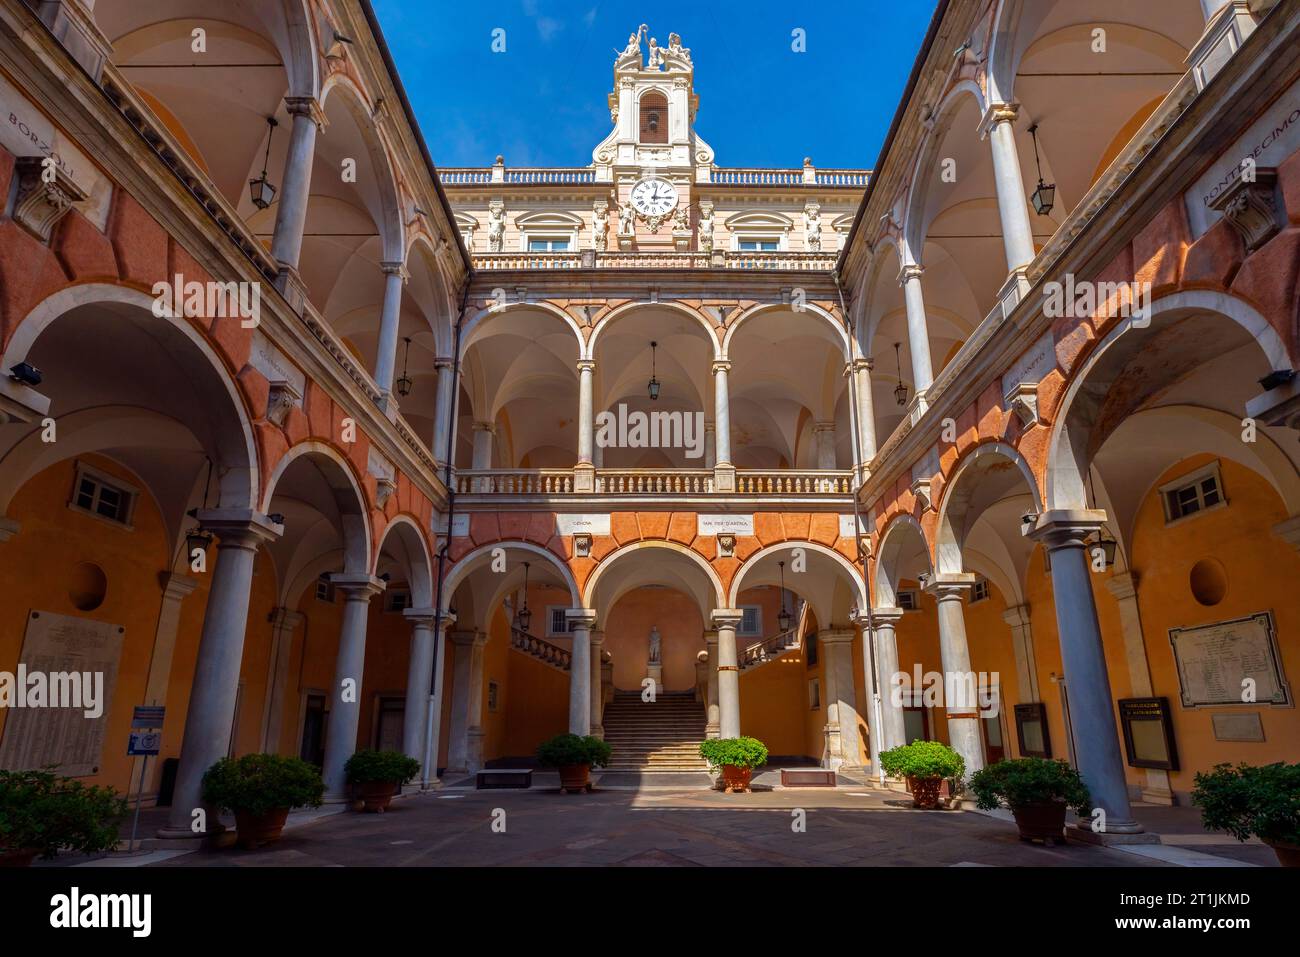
661 826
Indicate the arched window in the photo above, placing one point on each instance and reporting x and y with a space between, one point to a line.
654 118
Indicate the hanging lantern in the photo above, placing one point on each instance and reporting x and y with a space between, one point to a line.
784 619
404 383
1106 542
900 390
197 538
524 617
653 385
260 190
1045 195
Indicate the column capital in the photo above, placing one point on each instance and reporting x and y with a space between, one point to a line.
835 636
1017 616
465 639
949 585
1122 585
485 427
420 617
885 616
586 365
448 619
309 107
285 618
909 272
176 586
710 637
721 365
998 113
859 364
239 527
580 617
823 427
726 617
358 587
395 269
1067 527
443 362
597 637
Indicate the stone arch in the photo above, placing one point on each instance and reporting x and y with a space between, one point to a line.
858 587
349 496
418 557
913 229
1078 429
470 333
610 560
619 311
890 552
235 448
956 498
841 335
468 563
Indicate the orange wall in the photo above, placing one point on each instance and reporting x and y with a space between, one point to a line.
627 637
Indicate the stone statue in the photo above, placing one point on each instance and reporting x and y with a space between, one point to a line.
599 226
676 56
656 55
631 55
654 645
812 225
681 219
496 227
626 219
706 229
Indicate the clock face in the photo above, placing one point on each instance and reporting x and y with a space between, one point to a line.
654 197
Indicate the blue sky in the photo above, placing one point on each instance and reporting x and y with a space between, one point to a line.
542 101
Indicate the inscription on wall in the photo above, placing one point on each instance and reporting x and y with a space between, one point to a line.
1215 662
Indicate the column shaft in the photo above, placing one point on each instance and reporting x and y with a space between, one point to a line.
894 732
963 705
597 699
291 216
721 414
586 415
1017 234
389 326
714 711
580 675
349 665
725 621
419 675
442 413
918 333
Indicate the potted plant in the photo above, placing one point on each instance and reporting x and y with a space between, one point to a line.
1245 800
924 765
376 776
1037 790
737 758
42 813
574 756
261 790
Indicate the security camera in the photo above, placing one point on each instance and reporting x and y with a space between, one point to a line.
26 373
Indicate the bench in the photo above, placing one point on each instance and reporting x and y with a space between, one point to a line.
807 778
499 778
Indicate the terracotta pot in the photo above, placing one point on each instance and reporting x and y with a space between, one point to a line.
1043 821
736 780
21 857
925 792
258 829
575 778
1288 854
376 795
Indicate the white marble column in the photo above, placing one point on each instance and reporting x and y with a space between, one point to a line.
894 732
349 667
215 687
1124 587
710 445
580 622
962 706
724 473
465 744
1022 646
1017 234
597 692
842 744
295 189
283 622
419 677
713 711
484 437
1092 711
586 413
918 332
389 325
860 371
870 709
725 621
442 412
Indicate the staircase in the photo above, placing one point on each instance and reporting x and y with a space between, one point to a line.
778 645
663 735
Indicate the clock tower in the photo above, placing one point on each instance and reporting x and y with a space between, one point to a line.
652 157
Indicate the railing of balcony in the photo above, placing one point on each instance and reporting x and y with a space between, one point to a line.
582 175
779 644
790 177
655 482
542 650
720 259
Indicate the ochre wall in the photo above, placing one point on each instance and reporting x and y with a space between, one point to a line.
627 637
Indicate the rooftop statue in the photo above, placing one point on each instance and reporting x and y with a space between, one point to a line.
673 58
676 57
630 58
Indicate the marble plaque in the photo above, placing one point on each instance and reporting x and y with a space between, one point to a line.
725 525
573 524
1215 660
35 737
1237 727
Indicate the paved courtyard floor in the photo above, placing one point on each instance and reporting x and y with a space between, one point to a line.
660 826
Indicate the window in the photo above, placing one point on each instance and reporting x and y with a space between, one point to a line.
100 495
493 696
751 621
397 600
548 245
654 118
758 245
556 623
814 694
980 591
324 589
1189 494
909 599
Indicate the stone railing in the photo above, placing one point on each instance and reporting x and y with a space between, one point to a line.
807 176
542 650
769 649
719 259
654 481
514 482
793 482
552 176
584 175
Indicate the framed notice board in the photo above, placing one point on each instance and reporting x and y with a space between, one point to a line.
1148 733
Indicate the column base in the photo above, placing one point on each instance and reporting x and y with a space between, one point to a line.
1084 834
724 478
584 479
